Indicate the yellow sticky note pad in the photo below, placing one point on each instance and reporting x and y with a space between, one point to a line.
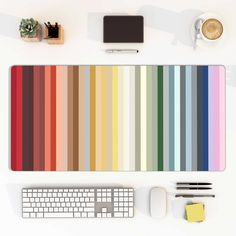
195 212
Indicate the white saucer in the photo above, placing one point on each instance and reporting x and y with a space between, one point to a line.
204 43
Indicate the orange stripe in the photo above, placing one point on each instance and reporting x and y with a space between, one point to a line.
47 118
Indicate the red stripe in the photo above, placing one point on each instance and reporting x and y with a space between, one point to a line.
13 118
19 164
16 118
36 158
53 118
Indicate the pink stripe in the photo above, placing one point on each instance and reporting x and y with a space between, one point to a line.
222 112
214 135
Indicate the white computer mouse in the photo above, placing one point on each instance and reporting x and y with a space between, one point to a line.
158 202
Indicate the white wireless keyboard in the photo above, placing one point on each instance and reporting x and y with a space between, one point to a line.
89 202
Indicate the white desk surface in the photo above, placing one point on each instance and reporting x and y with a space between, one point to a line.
167 41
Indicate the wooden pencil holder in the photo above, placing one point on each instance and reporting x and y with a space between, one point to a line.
59 40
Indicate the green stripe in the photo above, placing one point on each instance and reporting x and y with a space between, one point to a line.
160 117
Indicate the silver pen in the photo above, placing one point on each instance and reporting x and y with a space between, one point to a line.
121 50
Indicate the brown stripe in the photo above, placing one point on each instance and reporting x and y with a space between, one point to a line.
42 117
70 117
28 117
75 117
92 118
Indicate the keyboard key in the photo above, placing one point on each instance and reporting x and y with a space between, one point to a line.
104 209
84 214
59 214
88 209
32 215
39 215
91 214
28 209
26 204
77 214
26 199
26 215
131 212
118 214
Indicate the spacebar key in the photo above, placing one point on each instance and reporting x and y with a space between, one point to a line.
58 215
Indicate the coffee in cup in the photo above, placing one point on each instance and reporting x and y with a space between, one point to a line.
212 29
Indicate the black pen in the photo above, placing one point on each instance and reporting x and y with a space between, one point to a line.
193 183
193 188
194 195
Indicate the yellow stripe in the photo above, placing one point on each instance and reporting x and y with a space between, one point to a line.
104 117
115 117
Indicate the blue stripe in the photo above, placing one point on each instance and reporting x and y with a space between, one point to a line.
202 115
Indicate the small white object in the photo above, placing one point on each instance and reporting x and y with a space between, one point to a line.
158 202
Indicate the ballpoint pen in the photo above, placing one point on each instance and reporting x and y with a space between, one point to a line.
193 188
194 195
193 183
122 51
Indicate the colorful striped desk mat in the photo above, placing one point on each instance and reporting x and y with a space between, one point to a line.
118 118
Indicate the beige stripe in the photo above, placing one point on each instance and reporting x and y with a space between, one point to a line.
64 127
98 119
104 116
59 118
81 118
109 118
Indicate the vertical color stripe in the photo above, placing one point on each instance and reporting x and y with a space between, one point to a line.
149 118
177 118
194 119
172 118
143 118
154 119
86 118
166 118
115 127
36 118
92 118
160 118
188 118
182 119
137 119
28 128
